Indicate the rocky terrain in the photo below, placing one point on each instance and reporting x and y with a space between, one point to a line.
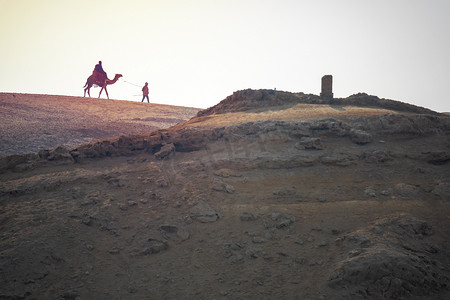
267 195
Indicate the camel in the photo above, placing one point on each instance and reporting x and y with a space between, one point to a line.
92 80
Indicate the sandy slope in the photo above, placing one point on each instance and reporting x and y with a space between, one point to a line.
29 123
289 202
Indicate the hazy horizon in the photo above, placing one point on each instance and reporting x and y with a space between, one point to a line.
199 52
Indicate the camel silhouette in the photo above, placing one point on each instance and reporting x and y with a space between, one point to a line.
92 80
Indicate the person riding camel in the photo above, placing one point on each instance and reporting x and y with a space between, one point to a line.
99 73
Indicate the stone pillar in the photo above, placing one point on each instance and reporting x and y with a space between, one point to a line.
327 87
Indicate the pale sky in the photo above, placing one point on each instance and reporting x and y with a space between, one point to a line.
197 52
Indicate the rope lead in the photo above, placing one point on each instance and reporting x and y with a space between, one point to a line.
131 83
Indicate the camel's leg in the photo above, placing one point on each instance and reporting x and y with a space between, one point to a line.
88 89
106 91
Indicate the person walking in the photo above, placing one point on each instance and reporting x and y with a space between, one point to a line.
145 92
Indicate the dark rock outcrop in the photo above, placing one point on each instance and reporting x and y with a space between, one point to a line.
390 259
259 99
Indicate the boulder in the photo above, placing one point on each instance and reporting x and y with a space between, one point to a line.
390 259
309 143
174 233
442 190
220 186
406 190
203 213
278 220
376 156
247 216
386 273
166 151
360 137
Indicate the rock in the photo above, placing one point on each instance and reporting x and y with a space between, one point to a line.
403 225
360 137
87 220
183 235
229 189
11 161
436 158
123 206
148 245
398 124
280 220
188 140
258 240
309 143
114 250
98 149
227 173
71 295
131 203
174 233
386 192
300 131
143 200
203 213
220 186
23 167
60 154
237 258
155 246
442 190
284 192
207 218
162 182
247 216
330 127
323 243
166 151
387 274
376 156
370 192
389 259
299 241
406 190
357 239
253 252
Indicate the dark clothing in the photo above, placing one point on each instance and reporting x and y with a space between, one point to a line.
145 90
145 93
99 68
99 73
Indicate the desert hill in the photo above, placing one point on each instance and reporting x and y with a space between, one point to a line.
262 99
30 123
255 198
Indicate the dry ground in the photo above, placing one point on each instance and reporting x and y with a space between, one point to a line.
281 203
30 123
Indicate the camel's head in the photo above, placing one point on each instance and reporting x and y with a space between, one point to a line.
118 76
